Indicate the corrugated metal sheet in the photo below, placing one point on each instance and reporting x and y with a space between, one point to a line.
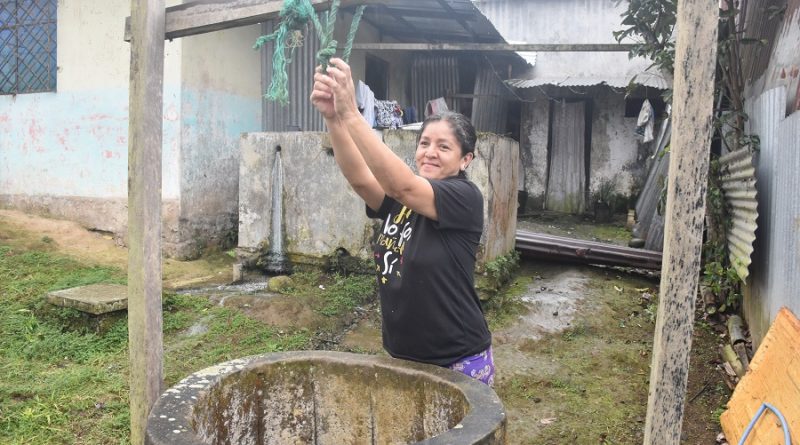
775 272
489 107
755 57
650 225
412 21
649 79
433 77
299 114
739 188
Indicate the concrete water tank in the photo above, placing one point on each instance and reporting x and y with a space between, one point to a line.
322 398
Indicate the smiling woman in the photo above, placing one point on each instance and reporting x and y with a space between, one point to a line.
432 223
446 146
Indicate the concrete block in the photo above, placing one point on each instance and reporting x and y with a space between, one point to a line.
322 214
95 298
326 398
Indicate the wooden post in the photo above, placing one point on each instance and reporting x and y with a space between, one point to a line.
693 97
144 210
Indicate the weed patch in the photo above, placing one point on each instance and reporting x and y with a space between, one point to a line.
338 293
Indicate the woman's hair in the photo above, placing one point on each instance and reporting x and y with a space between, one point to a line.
462 129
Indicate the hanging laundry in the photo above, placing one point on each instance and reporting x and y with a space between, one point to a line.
388 114
409 115
365 99
646 122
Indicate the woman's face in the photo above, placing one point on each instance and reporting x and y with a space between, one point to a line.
438 153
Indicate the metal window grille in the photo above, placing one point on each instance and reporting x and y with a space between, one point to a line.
27 46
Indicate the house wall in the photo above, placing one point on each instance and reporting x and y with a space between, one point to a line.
220 100
533 151
616 152
65 153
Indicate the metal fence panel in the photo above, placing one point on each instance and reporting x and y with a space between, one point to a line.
299 114
489 107
433 77
775 272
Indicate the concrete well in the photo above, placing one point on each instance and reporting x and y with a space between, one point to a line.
320 397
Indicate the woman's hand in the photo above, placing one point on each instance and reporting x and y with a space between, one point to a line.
322 96
339 81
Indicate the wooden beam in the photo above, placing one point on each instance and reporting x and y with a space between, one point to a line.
144 211
488 47
692 102
429 14
204 16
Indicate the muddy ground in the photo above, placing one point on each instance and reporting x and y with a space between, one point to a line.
572 343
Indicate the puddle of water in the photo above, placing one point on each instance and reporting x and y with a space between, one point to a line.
199 328
218 294
551 306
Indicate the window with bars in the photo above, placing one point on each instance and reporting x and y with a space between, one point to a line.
27 46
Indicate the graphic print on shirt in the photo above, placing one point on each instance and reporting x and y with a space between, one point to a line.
391 242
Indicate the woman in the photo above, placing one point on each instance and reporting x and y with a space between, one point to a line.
432 223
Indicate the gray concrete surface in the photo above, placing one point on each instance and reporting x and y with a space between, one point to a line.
318 397
95 298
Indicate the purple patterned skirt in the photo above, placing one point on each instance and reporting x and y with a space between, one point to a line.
479 366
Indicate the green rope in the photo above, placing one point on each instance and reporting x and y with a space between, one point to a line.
295 15
352 34
325 33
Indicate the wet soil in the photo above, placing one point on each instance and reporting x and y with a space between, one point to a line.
572 343
573 352
102 249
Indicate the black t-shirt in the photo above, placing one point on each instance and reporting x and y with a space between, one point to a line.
430 310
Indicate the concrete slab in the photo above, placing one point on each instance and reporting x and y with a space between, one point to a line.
95 298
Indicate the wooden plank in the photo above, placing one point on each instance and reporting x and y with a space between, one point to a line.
204 16
773 377
144 211
489 47
693 97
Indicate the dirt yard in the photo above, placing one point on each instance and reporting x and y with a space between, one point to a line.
572 343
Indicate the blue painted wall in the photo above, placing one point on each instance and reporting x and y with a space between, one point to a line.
76 143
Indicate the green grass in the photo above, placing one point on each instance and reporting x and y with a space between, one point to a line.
65 378
338 293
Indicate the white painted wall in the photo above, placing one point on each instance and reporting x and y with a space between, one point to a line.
66 153
533 150
615 152
74 142
220 100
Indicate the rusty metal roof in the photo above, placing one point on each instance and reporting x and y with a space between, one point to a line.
435 21
432 21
